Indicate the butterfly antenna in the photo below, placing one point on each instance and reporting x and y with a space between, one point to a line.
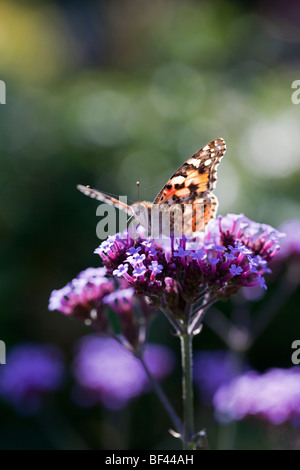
138 188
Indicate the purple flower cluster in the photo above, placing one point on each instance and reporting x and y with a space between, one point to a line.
31 372
273 396
91 296
234 252
109 374
261 239
84 294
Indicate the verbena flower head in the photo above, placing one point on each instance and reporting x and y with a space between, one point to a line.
261 239
92 295
233 252
273 396
31 372
81 298
107 373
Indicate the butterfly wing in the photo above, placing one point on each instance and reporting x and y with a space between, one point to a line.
192 185
99 196
197 176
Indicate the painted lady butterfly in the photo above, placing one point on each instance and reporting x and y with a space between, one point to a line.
186 199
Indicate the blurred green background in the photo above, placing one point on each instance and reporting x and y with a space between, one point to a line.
110 92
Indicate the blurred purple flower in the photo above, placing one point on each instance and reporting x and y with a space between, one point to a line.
273 396
253 294
290 244
212 369
31 371
107 373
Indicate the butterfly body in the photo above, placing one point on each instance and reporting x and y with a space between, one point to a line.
186 203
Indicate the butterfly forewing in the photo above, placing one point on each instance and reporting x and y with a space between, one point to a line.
99 196
195 177
192 185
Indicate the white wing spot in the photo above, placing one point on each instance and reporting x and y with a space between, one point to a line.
194 161
178 180
207 162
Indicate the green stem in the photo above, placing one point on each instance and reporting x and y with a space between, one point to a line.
187 390
199 316
171 318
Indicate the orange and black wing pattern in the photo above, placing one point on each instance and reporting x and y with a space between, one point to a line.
192 184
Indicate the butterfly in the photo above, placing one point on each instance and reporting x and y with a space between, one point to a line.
185 204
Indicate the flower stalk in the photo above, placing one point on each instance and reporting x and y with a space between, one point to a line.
187 390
